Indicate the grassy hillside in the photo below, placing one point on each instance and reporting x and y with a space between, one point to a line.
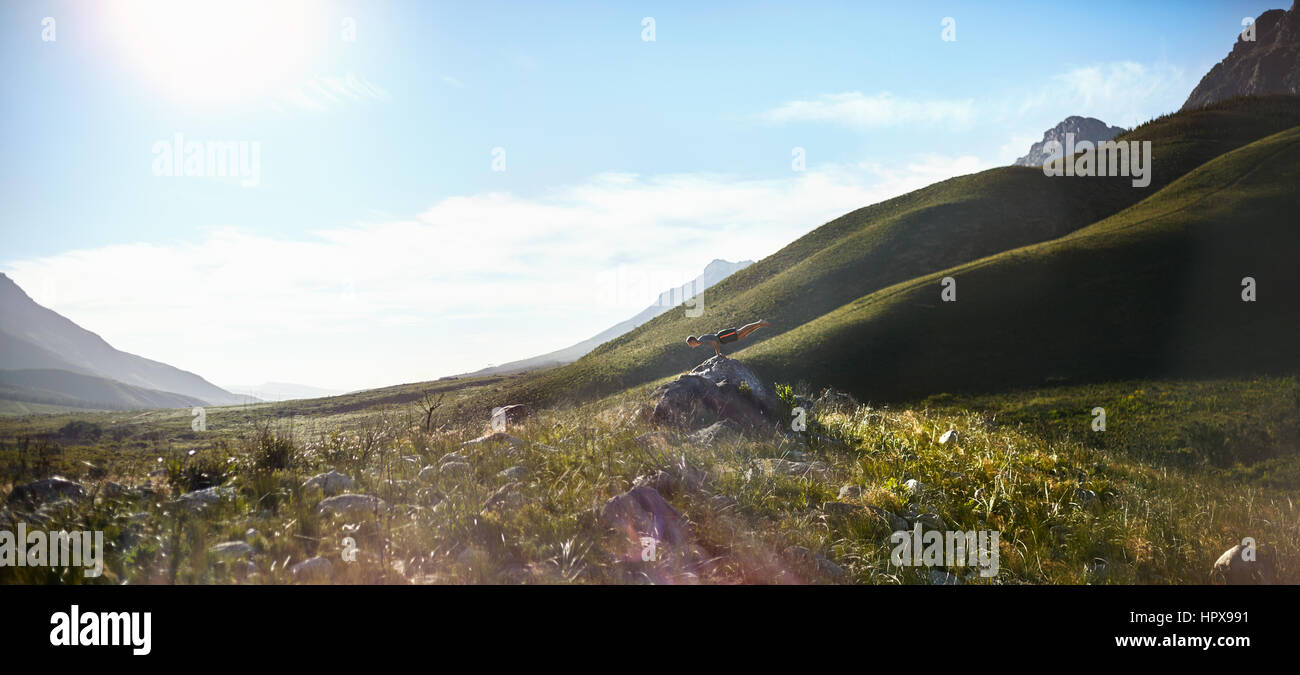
931 229
1153 290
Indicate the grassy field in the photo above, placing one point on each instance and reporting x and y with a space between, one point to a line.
1183 471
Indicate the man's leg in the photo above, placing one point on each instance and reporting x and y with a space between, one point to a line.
750 328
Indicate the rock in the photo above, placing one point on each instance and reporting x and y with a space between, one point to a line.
453 457
92 471
312 569
514 413
643 512
1269 64
680 477
38 492
513 473
1088 129
455 469
507 496
1084 497
231 549
805 558
928 521
942 578
206 496
655 440
721 429
113 490
949 436
851 492
350 504
844 510
832 398
1234 569
714 388
495 437
428 473
331 483
914 486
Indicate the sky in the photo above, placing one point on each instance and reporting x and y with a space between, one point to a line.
421 189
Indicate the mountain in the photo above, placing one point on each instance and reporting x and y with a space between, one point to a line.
913 236
280 391
1153 291
1270 64
1083 128
713 273
74 390
34 337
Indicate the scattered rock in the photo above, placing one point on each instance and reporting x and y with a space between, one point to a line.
804 557
507 496
514 473
1085 497
681 477
455 469
851 492
231 549
206 496
350 504
1234 569
949 436
331 483
643 512
312 569
47 489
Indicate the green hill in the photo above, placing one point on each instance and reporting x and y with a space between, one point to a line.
65 389
1155 290
941 226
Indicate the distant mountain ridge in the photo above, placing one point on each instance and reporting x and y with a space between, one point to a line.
280 391
33 337
1269 64
714 272
1084 129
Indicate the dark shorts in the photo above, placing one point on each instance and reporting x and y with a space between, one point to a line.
728 335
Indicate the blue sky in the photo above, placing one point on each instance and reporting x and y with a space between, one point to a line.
379 245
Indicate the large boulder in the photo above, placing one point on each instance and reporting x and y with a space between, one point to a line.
641 515
46 490
721 388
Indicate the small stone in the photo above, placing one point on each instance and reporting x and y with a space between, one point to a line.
331 483
456 469
231 549
311 569
350 504
513 473
1236 569
206 496
851 492
1085 497
942 578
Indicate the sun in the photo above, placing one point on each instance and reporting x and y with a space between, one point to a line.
216 52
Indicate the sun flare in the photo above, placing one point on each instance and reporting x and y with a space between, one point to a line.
215 52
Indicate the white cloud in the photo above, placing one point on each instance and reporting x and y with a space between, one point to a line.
471 280
1122 93
860 111
326 91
